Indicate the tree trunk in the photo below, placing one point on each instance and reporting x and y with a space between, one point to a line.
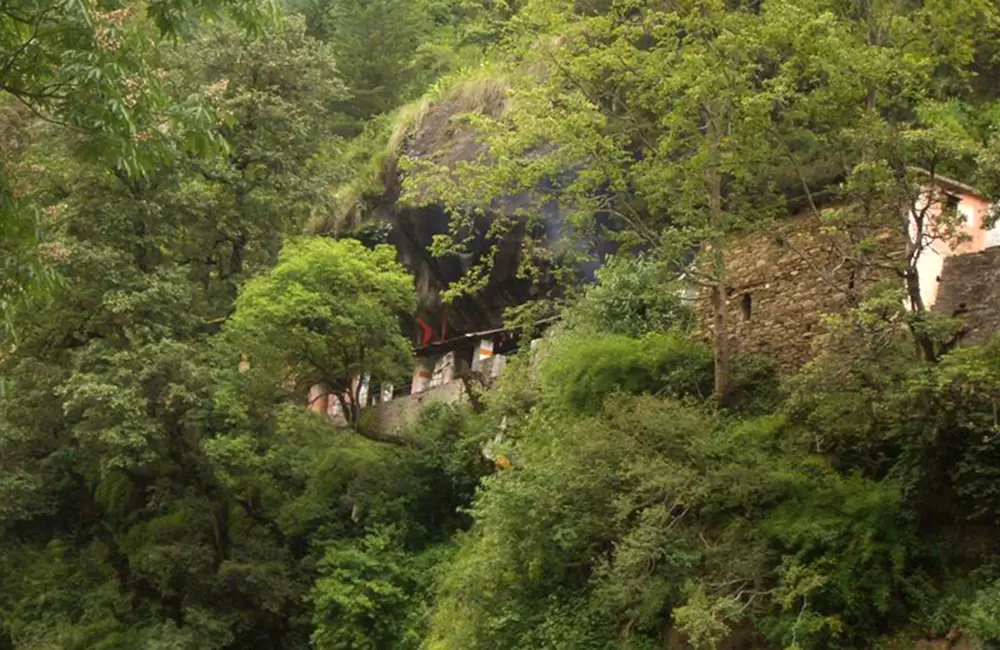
925 344
119 561
717 226
720 343
348 404
223 541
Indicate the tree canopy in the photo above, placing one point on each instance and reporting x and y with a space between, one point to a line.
165 483
96 70
327 314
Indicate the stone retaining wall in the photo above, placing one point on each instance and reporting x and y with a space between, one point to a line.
400 412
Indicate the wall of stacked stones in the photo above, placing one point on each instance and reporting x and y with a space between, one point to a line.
970 290
780 285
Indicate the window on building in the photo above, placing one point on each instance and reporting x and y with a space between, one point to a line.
951 202
747 306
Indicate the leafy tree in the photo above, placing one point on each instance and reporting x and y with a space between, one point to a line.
274 98
93 68
662 117
158 506
157 493
649 514
626 520
915 99
112 437
328 314
630 297
370 597
390 51
375 44
585 370
90 66
27 269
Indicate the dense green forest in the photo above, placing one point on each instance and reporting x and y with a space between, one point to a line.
193 233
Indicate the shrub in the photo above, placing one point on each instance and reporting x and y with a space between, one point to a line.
754 385
632 297
582 371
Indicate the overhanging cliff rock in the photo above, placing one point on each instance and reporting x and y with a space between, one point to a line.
441 132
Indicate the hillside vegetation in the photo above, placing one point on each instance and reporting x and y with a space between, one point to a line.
200 215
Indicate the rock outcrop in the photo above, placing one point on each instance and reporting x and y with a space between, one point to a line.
438 132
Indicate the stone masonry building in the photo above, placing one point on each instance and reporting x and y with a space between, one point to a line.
782 282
